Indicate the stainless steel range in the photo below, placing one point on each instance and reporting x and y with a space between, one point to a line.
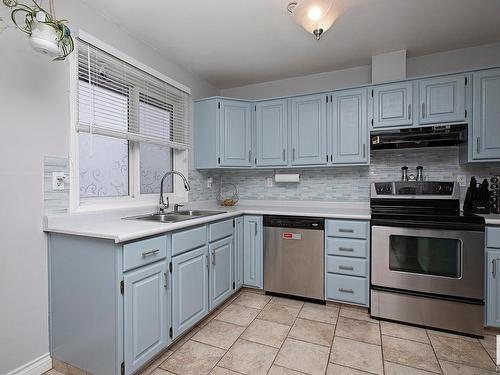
427 257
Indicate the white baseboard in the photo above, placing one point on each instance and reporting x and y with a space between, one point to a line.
35 367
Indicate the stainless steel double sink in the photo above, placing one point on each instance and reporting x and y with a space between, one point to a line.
175 216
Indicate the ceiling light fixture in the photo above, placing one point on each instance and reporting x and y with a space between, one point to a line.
315 16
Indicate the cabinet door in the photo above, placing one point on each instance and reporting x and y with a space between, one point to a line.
442 99
235 134
271 123
146 314
238 252
493 289
349 127
189 289
309 130
392 105
221 271
252 252
486 105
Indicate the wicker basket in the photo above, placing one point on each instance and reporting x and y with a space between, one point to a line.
228 194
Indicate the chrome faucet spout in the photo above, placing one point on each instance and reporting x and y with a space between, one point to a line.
162 206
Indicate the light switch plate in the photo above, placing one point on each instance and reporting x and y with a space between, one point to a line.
269 182
58 179
210 181
462 180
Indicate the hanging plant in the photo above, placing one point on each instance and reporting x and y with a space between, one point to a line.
47 35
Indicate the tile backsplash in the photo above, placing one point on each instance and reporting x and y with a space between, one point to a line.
343 183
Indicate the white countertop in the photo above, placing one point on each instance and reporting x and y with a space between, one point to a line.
110 224
492 219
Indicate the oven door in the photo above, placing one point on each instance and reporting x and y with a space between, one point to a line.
432 261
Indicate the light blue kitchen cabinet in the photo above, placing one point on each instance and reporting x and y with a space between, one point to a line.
348 127
146 314
221 271
442 99
239 244
189 289
235 134
493 288
253 252
392 105
486 116
308 126
271 122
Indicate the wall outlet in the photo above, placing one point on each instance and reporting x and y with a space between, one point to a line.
269 182
58 179
210 181
462 180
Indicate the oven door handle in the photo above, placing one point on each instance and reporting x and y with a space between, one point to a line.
475 227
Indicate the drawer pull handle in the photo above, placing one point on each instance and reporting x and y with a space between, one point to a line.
342 230
343 290
165 282
346 249
494 268
213 258
346 268
150 252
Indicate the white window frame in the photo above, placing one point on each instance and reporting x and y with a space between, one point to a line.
180 161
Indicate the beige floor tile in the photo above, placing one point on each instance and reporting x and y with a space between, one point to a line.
466 352
157 362
359 330
450 368
354 312
254 300
397 369
490 344
410 353
222 371
53 372
238 314
178 344
357 355
320 313
303 356
267 333
287 302
160 371
278 370
279 314
334 369
193 358
312 331
451 335
252 290
404 331
248 357
218 333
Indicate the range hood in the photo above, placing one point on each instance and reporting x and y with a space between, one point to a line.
430 136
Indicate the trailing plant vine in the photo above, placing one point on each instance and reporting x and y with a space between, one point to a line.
35 13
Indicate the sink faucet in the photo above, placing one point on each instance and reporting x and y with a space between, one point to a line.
162 206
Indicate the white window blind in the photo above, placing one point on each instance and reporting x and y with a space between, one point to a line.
119 100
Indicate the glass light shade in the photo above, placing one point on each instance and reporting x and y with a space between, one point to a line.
315 15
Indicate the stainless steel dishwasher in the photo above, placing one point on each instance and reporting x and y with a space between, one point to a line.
294 256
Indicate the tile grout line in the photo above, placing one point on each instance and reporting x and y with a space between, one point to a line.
333 339
434 351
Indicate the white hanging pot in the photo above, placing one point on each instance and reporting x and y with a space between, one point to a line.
44 39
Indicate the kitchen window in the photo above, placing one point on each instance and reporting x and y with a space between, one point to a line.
131 127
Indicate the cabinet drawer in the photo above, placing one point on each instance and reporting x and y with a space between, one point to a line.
347 247
139 253
347 266
493 237
347 228
347 288
189 239
220 230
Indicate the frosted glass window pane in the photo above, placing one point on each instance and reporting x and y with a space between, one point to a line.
104 166
155 161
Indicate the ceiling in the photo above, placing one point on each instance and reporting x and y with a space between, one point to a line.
237 42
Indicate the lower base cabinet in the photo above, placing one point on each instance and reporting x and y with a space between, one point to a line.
238 244
146 314
189 289
221 271
493 288
253 252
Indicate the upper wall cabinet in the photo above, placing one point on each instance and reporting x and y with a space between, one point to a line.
309 130
442 99
235 134
271 121
348 127
392 105
486 105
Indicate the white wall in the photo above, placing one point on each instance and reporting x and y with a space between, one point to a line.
443 62
34 119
